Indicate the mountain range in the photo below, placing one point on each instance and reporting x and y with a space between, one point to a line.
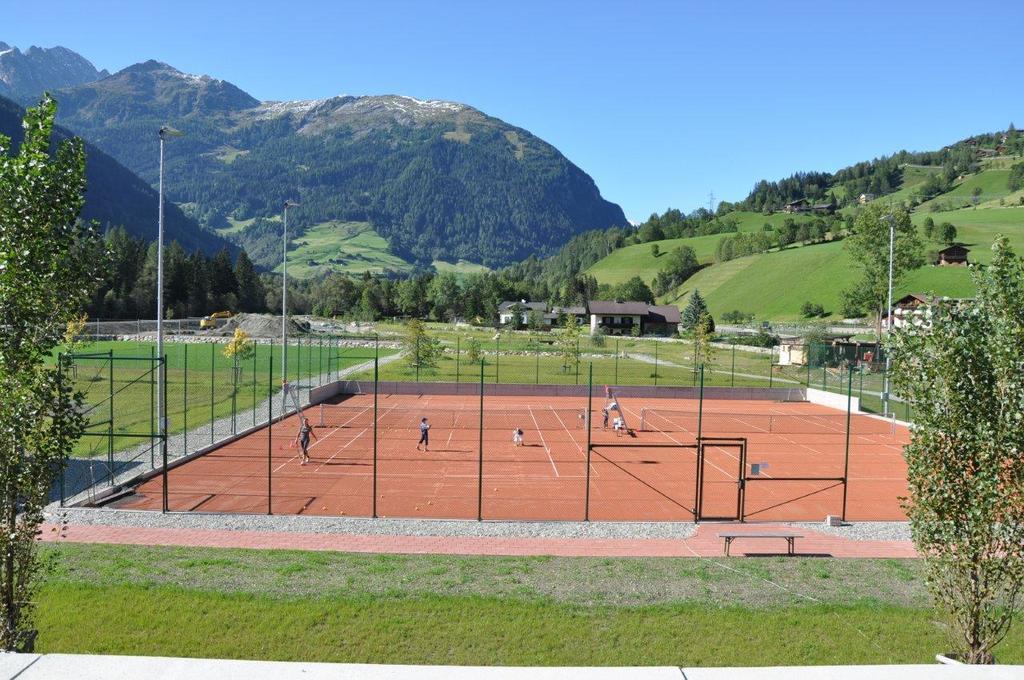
117 197
26 75
440 181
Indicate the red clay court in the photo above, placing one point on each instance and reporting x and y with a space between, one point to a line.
757 461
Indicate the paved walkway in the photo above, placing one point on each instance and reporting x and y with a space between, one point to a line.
705 543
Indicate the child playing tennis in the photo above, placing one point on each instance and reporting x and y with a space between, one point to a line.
517 437
424 435
302 437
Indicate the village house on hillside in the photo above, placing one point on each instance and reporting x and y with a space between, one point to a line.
620 318
801 205
915 309
509 311
612 318
955 254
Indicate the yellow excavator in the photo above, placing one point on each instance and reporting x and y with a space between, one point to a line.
211 321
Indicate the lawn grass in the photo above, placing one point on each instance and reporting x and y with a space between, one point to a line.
289 605
355 248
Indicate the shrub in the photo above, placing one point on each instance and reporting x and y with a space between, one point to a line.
811 309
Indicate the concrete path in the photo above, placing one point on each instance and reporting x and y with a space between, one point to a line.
98 667
705 543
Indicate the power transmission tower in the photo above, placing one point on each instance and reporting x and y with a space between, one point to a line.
711 203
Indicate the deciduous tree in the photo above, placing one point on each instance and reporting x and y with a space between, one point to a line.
961 373
868 244
48 265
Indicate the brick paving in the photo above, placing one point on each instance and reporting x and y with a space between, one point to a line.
705 543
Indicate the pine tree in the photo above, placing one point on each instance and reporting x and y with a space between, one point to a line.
251 296
693 312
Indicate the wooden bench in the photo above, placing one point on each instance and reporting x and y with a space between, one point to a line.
790 538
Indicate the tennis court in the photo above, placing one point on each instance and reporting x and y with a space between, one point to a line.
756 460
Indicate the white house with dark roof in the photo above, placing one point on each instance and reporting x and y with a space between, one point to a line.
509 310
621 318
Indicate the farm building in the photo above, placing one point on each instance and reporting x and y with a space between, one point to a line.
955 254
800 205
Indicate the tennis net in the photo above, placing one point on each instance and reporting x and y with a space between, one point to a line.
406 418
667 420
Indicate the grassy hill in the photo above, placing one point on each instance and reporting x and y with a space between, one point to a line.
349 247
637 260
775 285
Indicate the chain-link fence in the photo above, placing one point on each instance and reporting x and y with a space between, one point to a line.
546 358
484 450
210 396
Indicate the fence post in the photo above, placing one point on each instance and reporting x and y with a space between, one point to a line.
586 421
655 364
184 404
213 359
700 451
110 420
234 394
417 357
480 463
497 358
860 394
824 377
376 377
732 381
320 362
163 429
152 405
60 380
254 403
807 360
846 457
270 435
771 373
577 360
458 349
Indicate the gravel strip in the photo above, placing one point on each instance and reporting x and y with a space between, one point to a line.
860 531
369 526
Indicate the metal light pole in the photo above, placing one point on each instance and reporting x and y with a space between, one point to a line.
284 300
889 313
164 134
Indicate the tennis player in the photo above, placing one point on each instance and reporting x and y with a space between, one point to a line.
424 435
302 437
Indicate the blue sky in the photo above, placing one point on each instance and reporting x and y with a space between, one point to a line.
660 102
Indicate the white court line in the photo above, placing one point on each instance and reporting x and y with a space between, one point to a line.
353 440
319 439
713 464
579 448
547 450
335 454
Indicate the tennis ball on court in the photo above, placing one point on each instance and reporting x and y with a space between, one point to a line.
495 488
417 507
430 502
